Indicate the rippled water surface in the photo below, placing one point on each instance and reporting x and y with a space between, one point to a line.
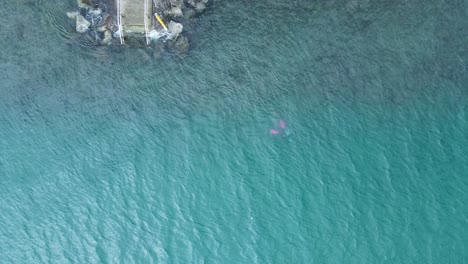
110 155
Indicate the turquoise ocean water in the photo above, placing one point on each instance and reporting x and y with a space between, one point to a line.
111 156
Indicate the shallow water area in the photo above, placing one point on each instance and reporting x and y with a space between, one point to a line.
116 154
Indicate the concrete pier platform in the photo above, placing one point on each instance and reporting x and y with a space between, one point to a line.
135 16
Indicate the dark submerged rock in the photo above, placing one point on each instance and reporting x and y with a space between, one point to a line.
180 45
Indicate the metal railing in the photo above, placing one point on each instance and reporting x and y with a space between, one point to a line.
146 23
119 23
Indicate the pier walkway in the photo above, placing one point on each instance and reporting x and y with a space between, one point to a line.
134 18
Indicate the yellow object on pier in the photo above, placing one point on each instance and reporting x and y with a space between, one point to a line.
160 21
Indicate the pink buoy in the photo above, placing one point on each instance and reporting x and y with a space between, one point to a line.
282 124
274 131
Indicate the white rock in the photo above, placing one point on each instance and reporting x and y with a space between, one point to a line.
101 29
174 29
192 2
83 3
176 11
117 34
200 7
107 38
73 15
96 12
81 24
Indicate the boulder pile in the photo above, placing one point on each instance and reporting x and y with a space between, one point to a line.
98 19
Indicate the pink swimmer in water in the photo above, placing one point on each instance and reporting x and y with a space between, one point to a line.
282 124
276 131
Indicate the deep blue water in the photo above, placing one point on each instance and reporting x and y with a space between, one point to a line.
108 155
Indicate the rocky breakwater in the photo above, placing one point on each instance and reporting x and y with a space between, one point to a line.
98 20
95 18
181 15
